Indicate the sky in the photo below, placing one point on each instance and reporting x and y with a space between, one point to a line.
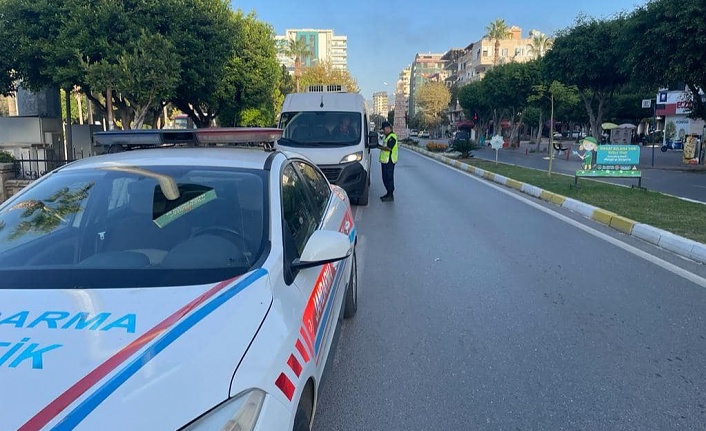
384 36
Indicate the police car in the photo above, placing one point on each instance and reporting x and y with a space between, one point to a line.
182 288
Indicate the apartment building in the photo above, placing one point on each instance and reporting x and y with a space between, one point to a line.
423 67
380 103
478 56
325 45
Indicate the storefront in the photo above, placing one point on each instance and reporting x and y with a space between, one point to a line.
680 131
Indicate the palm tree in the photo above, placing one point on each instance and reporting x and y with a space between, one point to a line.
299 50
497 30
540 45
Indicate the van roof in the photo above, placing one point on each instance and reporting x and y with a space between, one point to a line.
345 102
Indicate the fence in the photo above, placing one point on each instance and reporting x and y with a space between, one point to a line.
31 168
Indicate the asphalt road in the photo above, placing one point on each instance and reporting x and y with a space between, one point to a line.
479 311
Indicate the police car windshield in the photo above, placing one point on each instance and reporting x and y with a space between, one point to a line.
316 129
134 227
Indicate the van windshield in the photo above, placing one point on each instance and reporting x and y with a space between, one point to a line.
318 129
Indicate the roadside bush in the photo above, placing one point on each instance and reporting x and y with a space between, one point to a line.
464 146
6 157
409 141
437 147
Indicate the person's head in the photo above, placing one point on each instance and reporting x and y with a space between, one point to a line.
386 128
589 144
345 121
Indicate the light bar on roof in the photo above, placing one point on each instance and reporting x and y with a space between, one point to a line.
128 137
237 135
209 136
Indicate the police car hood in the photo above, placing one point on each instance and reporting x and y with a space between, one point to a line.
137 359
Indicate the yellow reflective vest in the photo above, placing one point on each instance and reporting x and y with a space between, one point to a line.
385 155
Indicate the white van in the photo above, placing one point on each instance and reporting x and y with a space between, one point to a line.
331 128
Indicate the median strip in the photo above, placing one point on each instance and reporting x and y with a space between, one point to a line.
666 221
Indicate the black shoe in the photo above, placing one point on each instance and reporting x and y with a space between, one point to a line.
389 198
384 197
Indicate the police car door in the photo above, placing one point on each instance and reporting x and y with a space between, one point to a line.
309 204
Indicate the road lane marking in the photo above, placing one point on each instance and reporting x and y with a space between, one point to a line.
681 272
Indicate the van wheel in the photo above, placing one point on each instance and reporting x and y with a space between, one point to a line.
363 199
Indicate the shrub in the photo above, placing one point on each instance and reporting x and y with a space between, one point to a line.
409 141
437 147
6 157
464 146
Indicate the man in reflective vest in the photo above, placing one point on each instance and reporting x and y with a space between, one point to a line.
388 158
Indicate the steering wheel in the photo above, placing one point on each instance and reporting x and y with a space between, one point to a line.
230 232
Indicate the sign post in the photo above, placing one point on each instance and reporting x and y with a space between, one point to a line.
647 103
496 143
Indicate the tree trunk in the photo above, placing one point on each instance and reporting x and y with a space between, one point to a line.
80 108
541 129
297 71
68 148
496 52
109 108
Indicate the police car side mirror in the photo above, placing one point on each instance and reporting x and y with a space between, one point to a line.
373 140
324 246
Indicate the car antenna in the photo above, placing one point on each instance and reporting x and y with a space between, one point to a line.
322 101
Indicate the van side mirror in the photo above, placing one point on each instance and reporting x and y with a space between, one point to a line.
373 140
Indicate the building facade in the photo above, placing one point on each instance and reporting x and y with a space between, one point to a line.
380 103
325 45
424 66
478 57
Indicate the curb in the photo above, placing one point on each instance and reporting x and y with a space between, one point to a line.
676 244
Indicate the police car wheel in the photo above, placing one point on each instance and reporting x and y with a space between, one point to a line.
352 291
301 420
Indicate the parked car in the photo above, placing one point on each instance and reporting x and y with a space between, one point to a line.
424 134
189 289
414 133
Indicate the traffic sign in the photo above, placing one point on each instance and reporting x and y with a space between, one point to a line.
646 103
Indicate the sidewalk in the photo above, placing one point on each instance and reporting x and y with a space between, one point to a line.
671 160
669 176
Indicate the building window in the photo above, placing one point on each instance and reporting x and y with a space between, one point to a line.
485 52
503 52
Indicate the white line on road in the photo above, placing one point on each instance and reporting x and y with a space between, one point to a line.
591 231
701 187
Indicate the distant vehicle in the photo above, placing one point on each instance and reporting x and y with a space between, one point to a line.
424 134
414 132
182 121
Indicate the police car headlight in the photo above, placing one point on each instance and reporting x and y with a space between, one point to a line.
237 414
355 157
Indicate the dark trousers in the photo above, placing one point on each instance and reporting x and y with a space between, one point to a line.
388 176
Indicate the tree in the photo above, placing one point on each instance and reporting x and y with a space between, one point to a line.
391 116
285 85
325 73
205 40
8 49
668 45
475 102
508 87
589 56
300 51
556 92
252 76
497 31
540 45
433 98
